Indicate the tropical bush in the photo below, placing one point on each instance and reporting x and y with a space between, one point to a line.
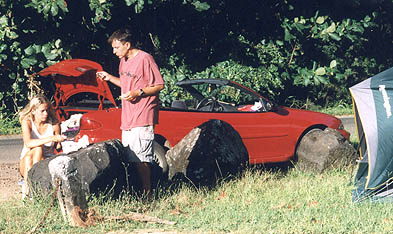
294 52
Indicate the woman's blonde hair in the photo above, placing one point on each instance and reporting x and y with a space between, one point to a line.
34 104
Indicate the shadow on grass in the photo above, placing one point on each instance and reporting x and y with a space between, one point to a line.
179 181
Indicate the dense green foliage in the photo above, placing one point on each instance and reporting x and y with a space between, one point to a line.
294 52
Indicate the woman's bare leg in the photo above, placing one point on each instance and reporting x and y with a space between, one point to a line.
37 155
26 163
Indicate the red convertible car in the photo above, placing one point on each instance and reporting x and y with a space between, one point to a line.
271 133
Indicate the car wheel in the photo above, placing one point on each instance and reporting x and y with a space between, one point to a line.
159 166
159 157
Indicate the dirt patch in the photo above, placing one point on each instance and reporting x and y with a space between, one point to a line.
9 177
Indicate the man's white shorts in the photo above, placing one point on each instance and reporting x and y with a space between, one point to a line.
140 143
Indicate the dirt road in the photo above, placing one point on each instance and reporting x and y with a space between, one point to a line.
9 177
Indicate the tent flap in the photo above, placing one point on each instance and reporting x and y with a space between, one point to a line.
373 103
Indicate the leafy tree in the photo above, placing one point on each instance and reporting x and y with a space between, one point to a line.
292 51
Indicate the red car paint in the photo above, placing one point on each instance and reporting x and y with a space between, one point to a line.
270 136
74 76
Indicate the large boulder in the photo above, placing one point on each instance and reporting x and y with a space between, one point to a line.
322 149
210 151
100 167
70 192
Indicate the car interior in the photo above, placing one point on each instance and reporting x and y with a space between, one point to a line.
207 97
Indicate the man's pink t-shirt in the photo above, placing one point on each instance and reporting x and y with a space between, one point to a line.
136 73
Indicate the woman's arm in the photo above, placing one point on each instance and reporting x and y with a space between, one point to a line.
31 143
57 131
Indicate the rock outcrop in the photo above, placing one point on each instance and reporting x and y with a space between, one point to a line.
100 167
210 151
319 150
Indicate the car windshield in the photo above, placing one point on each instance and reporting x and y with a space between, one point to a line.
226 93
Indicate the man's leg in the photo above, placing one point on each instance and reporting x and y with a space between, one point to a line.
144 173
140 142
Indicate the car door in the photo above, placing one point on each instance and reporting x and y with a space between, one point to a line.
266 135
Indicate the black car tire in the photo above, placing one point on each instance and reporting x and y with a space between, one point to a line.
159 166
159 157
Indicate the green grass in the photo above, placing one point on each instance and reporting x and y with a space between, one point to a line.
340 109
257 202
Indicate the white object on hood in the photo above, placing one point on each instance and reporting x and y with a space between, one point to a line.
72 146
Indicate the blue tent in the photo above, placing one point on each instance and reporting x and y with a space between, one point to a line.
373 108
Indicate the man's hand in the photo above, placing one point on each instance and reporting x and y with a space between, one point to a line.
130 95
103 75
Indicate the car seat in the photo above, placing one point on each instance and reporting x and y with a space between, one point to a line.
179 104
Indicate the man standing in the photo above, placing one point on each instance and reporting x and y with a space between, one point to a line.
140 82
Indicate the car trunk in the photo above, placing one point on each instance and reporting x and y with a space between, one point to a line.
76 87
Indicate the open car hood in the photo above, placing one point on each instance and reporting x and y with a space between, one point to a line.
74 76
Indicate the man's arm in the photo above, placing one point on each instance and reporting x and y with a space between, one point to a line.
147 91
150 90
103 75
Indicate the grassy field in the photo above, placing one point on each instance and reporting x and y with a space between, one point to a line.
258 201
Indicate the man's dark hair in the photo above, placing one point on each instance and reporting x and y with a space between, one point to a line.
123 35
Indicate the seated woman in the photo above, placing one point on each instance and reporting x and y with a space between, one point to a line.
41 135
